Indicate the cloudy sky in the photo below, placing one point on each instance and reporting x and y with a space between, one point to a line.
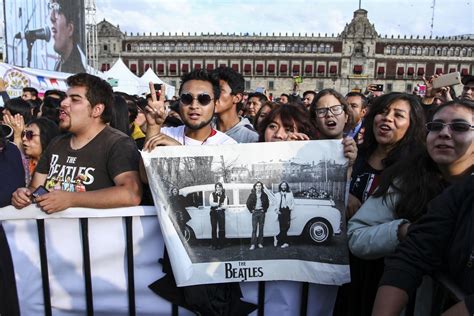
404 17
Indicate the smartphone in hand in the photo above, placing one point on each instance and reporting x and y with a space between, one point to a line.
41 190
446 80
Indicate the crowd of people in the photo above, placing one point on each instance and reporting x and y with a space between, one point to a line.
410 163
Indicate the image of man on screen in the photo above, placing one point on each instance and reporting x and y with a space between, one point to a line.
65 20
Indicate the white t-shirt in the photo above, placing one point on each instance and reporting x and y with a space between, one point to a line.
216 137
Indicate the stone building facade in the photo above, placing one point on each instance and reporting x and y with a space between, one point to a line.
286 63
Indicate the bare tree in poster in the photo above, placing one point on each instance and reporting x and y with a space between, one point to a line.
225 169
197 170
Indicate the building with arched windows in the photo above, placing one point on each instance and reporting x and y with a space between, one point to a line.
346 61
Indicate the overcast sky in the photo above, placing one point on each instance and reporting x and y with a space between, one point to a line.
392 17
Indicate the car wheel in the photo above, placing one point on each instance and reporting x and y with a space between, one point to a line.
319 231
189 236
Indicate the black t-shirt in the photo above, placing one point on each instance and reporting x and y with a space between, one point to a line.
91 167
365 179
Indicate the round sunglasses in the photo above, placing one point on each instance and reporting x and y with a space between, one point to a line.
28 134
188 98
460 127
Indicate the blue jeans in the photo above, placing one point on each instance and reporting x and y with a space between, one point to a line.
258 219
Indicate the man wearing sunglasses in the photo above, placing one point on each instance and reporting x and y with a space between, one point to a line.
227 119
198 92
65 20
90 157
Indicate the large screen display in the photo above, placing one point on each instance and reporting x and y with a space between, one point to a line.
45 34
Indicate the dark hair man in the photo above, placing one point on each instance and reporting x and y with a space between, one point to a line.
284 98
358 103
65 17
227 119
100 162
199 92
308 97
29 93
218 202
257 204
468 88
255 102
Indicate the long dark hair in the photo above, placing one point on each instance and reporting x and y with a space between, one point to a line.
414 137
287 187
20 106
290 115
416 179
48 130
120 119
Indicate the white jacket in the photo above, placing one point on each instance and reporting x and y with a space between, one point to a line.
372 231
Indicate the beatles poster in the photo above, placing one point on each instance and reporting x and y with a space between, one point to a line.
252 212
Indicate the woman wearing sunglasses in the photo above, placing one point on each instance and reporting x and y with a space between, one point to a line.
36 136
407 186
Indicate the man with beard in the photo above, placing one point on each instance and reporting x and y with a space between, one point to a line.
199 92
102 158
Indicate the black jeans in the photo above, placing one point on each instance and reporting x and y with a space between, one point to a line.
284 220
218 221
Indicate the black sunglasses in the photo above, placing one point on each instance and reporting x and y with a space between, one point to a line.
28 134
188 98
460 127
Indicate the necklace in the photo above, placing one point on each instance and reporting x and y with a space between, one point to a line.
212 133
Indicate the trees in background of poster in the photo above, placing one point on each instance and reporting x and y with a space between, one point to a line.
45 34
225 217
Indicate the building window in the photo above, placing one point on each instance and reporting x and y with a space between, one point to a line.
247 84
173 83
389 87
129 47
106 47
160 47
237 47
320 85
413 51
179 47
153 47
147 47
328 48
204 47
198 47
388 50
218 47
271 85
282 47
394 50
409 88
185 47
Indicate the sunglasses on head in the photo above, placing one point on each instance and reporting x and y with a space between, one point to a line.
459 127
188 98
28 134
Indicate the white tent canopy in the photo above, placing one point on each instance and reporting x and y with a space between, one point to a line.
150 76
126 81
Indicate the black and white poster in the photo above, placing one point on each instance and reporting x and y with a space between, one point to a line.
252 212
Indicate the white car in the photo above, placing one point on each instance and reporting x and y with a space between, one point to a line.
316 219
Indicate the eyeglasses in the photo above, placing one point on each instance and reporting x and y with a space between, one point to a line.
460 127
54 7
188 98
335 109
28 134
